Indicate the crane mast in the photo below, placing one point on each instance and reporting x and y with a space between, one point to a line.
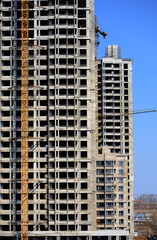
97 32
24 119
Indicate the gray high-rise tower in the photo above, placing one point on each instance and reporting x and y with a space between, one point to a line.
61 127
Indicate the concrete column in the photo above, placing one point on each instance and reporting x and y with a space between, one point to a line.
58 238
90 238
109 237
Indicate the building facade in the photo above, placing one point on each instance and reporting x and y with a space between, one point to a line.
61 106
112 191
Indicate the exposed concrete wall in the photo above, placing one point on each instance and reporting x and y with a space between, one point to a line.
113 168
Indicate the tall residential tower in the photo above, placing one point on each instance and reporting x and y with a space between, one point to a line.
115 134
61 125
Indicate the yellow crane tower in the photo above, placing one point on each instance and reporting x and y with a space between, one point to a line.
24 118
97 32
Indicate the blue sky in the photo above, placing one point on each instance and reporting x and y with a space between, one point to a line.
132 24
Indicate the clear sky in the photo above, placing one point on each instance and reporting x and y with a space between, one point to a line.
132 24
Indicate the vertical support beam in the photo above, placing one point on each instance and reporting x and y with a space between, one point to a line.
24 121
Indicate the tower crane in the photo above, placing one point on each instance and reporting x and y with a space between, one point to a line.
97 32
25 5
24 118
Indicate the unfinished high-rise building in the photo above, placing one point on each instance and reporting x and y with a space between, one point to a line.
115 139
62 181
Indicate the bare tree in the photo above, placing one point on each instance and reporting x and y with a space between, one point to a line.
146 199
